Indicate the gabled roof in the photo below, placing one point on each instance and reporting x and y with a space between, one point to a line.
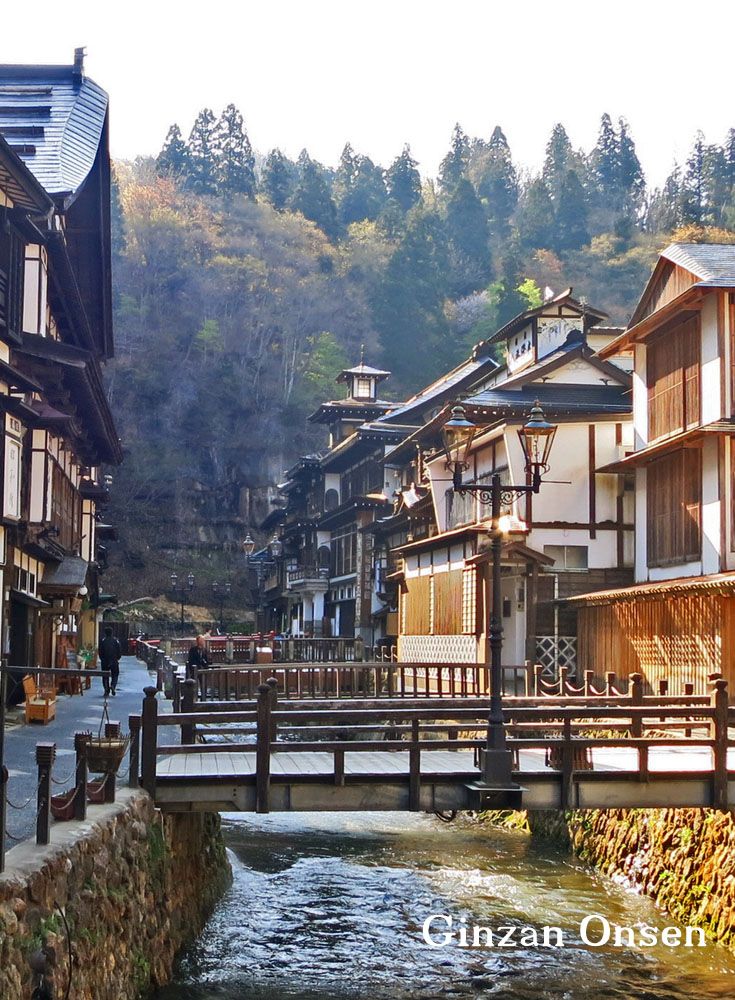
463 376
53 118
565 298
555 398
571 350
710 262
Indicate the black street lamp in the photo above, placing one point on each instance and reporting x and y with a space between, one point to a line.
222 593
274 548
536 437
182 591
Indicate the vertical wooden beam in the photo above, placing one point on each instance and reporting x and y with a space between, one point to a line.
720 736
81 741
134 722
414 769
263 750
531 611
592 480
149 715
339 767
45 756
188 697
636 724
567 765
3 768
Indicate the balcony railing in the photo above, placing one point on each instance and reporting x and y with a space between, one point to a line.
307 574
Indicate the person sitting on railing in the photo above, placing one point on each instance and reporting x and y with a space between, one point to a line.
197 660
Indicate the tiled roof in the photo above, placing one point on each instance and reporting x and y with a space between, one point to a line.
467 373
557 396
710 262
53 118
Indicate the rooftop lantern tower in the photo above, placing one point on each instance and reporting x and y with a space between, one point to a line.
362 380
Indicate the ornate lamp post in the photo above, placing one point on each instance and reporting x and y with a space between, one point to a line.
275 548
181 592
536 437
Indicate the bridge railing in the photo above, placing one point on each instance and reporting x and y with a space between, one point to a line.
566 733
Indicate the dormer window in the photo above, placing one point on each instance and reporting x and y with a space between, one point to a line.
364 388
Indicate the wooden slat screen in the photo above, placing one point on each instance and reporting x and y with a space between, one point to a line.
417 605
673 375
448 603
674 500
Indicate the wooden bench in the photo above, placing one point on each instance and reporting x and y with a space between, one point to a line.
40 704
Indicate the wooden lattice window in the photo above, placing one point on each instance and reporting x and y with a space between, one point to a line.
12 266
674 508
673 376
469 600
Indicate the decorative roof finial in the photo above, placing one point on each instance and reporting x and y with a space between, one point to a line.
78 69
362 354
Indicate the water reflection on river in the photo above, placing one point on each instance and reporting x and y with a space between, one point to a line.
331 908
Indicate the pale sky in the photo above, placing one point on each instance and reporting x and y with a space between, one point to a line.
379 73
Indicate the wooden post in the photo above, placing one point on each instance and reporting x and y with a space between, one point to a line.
688 692
229 651
3 768
339 767
45 756
609 683
134 753
636 724
588 678
110 785
149 715
414 769
272 683
563 680
263 750
80 777
720 736
567 766
537 668
391 680
527 668
188 698
663 687
176 692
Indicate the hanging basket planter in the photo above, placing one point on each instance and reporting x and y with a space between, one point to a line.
62 805
105 753
96 792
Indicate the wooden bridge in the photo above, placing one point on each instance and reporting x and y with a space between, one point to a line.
364 743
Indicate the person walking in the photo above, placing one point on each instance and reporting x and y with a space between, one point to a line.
110 653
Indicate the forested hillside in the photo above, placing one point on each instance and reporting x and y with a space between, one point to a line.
244 283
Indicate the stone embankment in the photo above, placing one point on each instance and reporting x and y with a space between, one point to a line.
122 891
684 859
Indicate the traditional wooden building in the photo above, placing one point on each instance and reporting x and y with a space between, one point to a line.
55 330
678 620
574 536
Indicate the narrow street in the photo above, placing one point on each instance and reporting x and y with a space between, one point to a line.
73 714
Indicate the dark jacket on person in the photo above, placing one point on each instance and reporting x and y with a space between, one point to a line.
110 650
197 658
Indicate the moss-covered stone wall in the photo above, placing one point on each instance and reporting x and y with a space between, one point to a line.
133 886
684 859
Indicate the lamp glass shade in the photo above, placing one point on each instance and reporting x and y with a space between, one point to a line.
248 545
276 546
537 436
215 587
457 435
190 580
174 580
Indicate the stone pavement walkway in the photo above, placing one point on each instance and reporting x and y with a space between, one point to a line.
73 714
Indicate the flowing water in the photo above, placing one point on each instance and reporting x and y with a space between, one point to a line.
332 907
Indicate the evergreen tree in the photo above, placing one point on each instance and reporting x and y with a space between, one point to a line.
664 209
536 216
404 181
173 160
312 196
632 178
359 188
693 186
408 306
234 154
203 166
277 182
454 165
560 159
571 214
605 164
468 234
496 182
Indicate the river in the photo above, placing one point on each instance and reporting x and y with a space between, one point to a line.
332 907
